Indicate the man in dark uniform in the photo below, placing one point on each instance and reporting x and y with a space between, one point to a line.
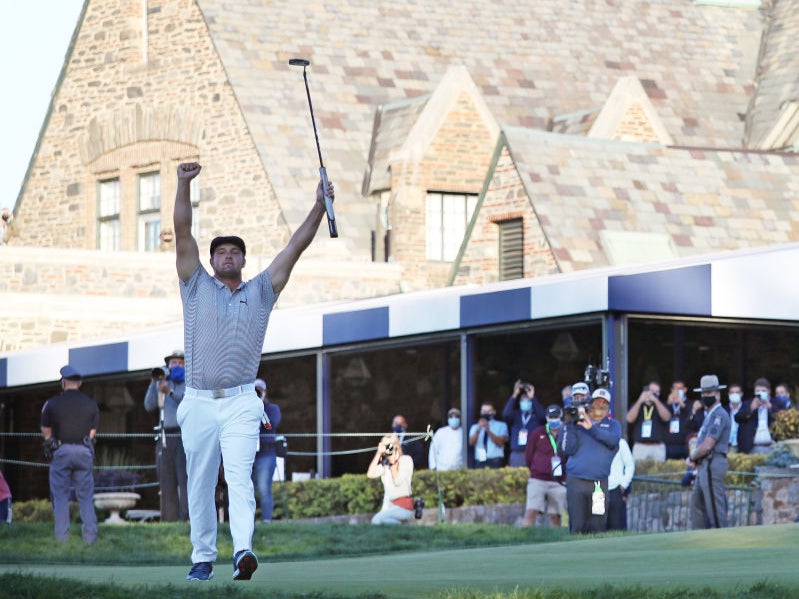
69 423
710 458
165 394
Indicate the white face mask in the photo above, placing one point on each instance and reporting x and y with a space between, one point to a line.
735 398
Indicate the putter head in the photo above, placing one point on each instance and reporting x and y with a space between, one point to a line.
299 62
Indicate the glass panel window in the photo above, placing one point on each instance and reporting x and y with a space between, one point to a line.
446 217
108 232
149 208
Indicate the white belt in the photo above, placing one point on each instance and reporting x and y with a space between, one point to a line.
219 393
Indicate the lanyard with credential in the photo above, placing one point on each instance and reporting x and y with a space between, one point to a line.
648 415
552 440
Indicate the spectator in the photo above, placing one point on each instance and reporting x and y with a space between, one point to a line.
523 414
710 458
446 449
410 447
782 398
395 471
589 443
224 323
266 456
566 392
754 420
546 492
622 470
679 422
5 501
735 396
648 418
69 423
164 395
488 437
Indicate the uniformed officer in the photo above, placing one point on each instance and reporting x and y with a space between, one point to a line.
164 395
69 424
710 458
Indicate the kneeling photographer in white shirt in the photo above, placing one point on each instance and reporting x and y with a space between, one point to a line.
395 470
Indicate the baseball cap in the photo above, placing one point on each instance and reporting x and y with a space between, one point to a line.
581 388
68 372
177 353
231 239
260 384
454 411
601 394
554 411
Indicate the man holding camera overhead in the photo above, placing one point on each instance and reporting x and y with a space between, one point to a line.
395 471
523 413
164 394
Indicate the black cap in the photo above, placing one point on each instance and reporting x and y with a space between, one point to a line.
232 239
554 411
68 372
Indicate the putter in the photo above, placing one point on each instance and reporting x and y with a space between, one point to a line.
331 217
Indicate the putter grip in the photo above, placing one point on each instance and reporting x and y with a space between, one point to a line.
331 217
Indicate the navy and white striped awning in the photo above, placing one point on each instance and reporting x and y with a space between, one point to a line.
751 284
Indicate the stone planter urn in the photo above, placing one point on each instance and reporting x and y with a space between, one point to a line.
115 501
793 445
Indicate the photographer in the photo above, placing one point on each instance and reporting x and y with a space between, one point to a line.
649 421
164 394
523 413
590 440
488 437
395 471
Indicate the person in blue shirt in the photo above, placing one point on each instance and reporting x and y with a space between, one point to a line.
266 456
523 413
488 437
590 441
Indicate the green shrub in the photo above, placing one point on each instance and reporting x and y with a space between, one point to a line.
41 510
785 425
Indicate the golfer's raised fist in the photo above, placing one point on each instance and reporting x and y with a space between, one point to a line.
320 196
188 170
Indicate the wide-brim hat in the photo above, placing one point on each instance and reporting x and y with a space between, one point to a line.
710 382
178 353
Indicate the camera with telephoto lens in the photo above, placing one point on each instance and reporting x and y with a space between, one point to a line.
418 506
389 450
572 413
596 377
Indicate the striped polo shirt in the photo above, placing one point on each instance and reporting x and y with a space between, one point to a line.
224 330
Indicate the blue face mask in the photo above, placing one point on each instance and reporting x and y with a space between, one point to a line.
782 398
398 428
762 394
177 374
525 405
553 424
454 422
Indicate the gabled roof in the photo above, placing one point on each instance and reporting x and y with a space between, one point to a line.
404 130
529 61
704 200
629 115
773 119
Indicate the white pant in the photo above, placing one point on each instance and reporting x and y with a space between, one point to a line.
210 429
649 451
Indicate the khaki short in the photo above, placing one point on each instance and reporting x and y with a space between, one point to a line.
545 496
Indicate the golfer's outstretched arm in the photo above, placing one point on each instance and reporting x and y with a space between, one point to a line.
280 268
188 254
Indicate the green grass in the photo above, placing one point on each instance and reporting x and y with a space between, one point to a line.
741 563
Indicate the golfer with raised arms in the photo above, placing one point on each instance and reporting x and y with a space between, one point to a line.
224 324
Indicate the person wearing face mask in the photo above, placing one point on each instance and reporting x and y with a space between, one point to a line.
410 447
446 449
546 492
782 398
488 437
709 500
649 420
680 422
164 394
523 413
590 443
740 440
754 420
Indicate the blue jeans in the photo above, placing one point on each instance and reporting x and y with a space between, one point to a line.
265 464
392 514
